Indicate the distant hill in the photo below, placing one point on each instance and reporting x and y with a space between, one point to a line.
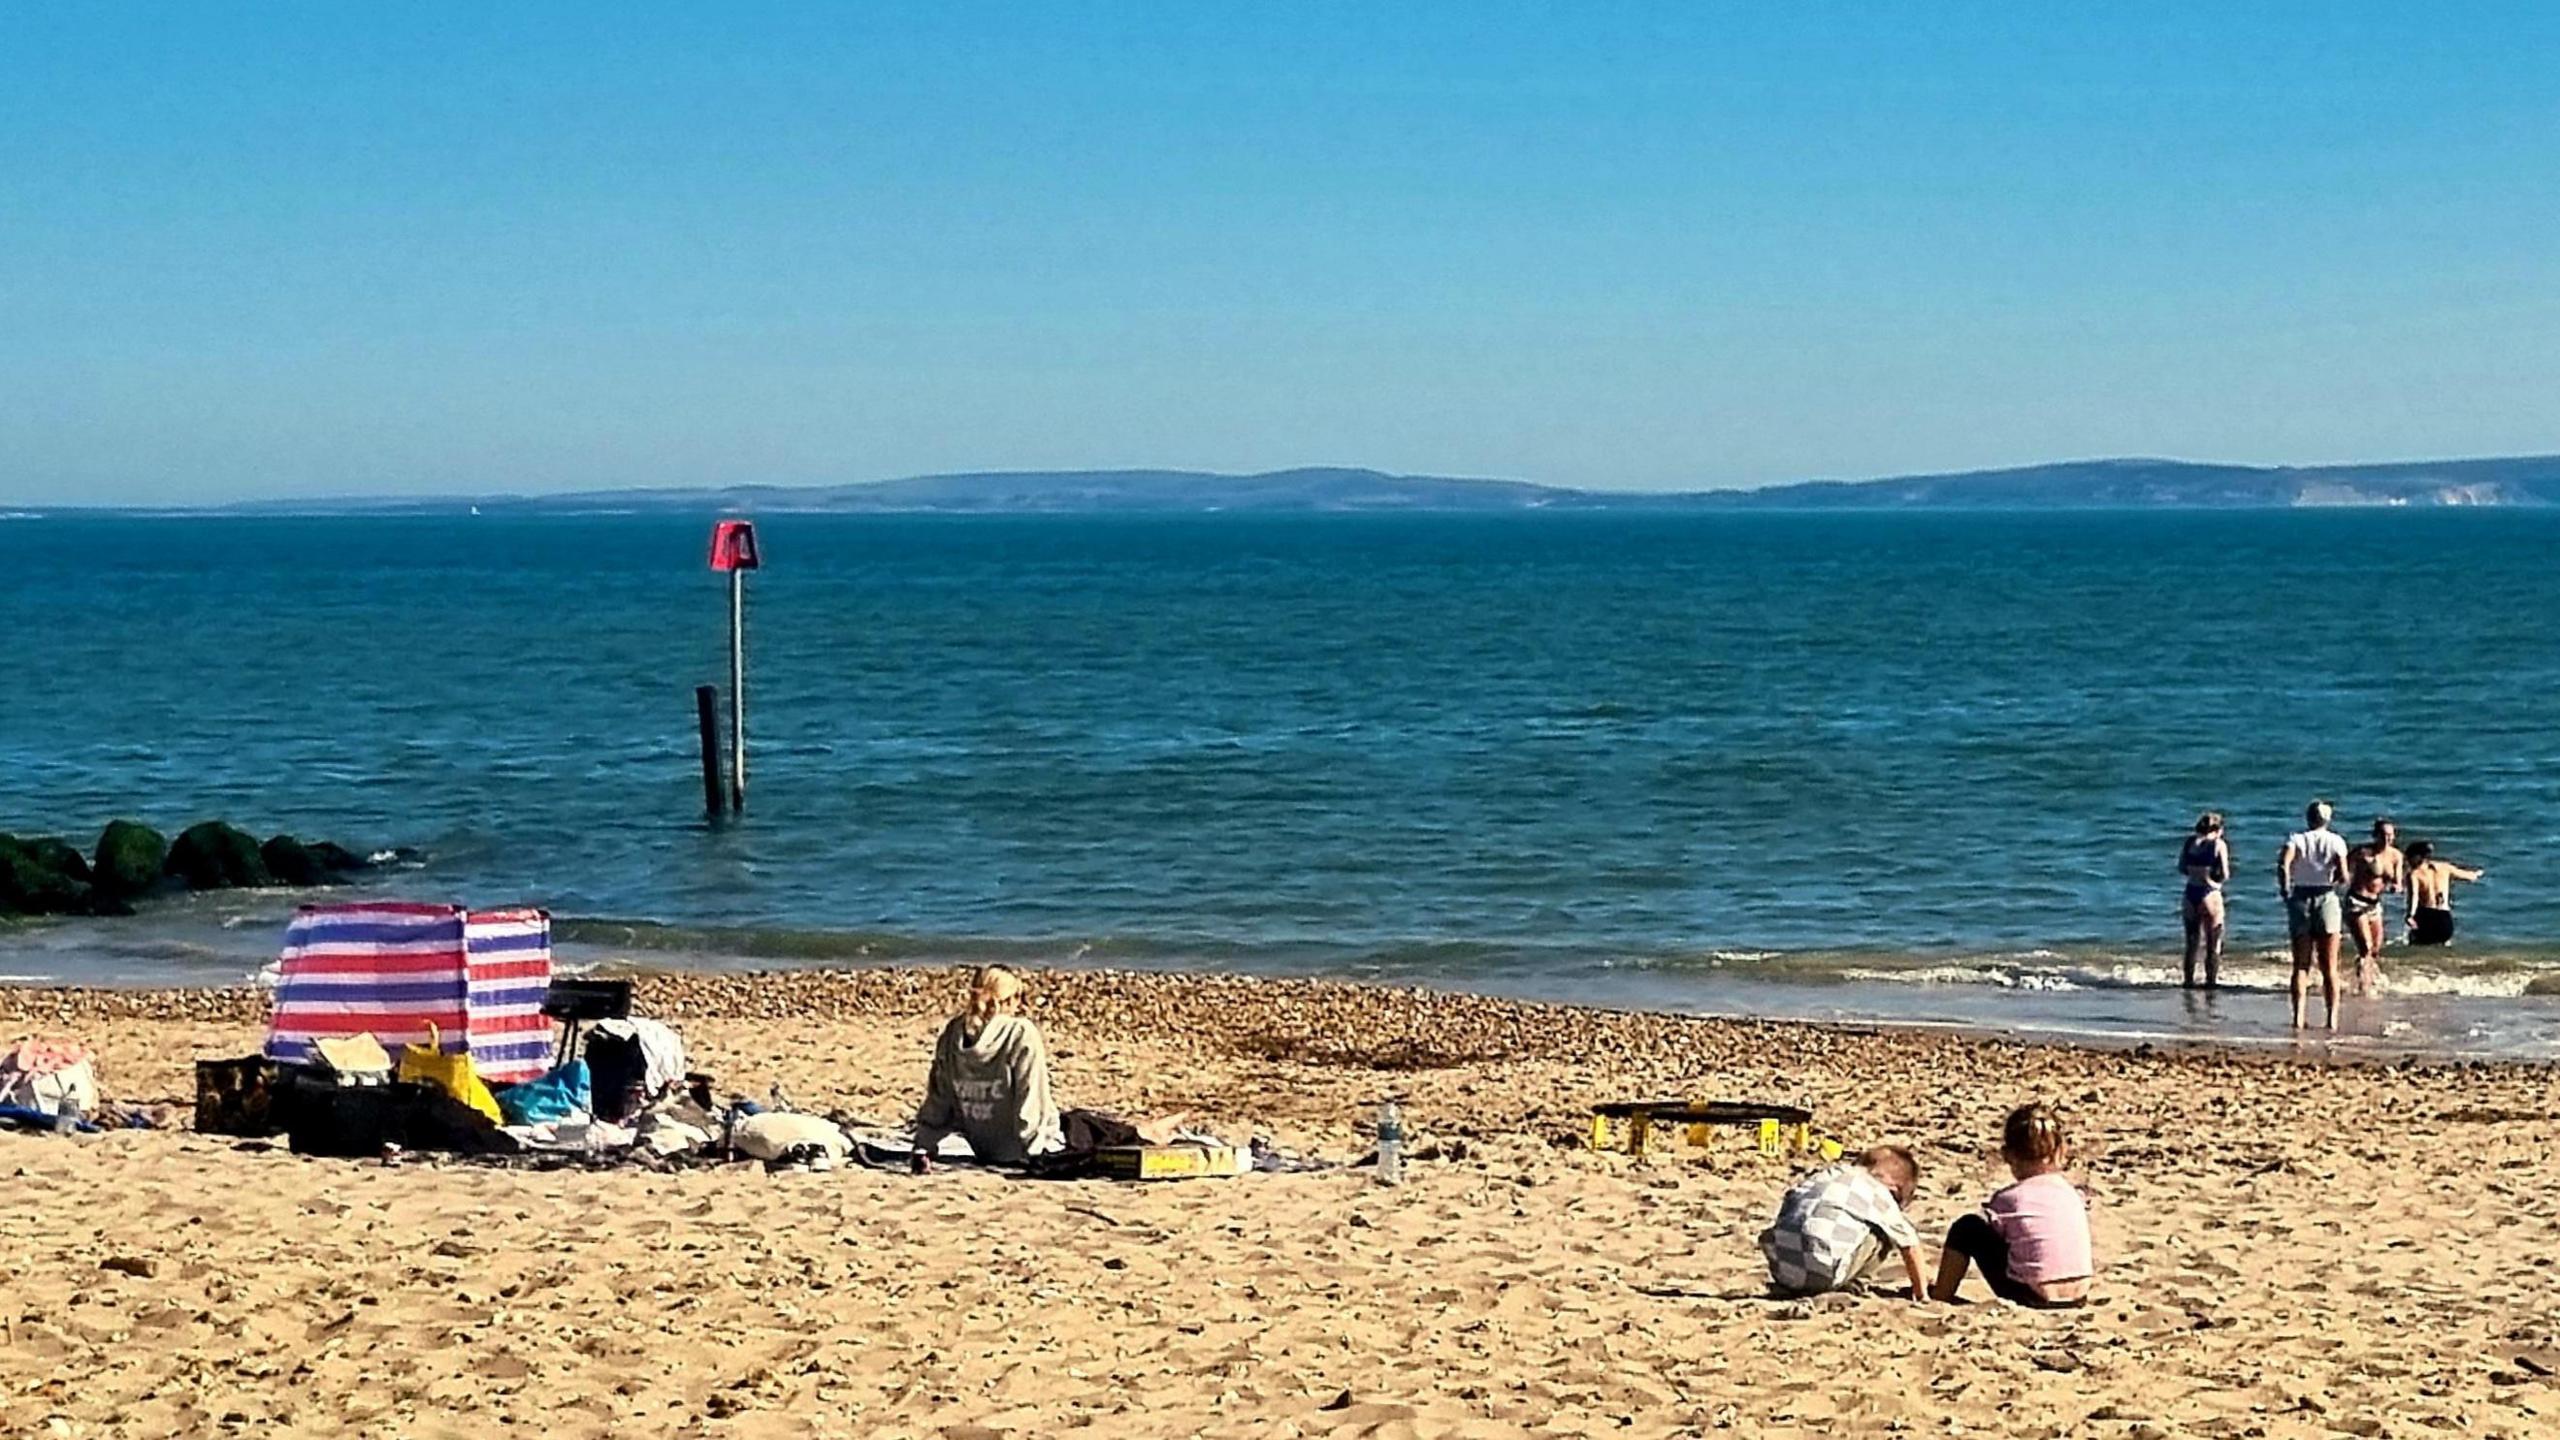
2121 484
2076 484
1014 492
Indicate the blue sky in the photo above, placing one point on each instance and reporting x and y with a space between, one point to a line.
279 249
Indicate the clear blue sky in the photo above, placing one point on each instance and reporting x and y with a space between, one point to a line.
297 249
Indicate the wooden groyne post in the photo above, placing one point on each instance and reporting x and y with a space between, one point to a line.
706 709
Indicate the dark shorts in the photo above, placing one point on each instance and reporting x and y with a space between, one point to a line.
1978 1240
2430 927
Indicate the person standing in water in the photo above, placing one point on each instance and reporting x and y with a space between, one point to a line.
2206 862
2375 872
2431 894
2309 870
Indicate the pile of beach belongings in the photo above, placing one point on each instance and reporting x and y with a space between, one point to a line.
392 1021
45 1079
399 1026
430 1027
626 1089
629 1091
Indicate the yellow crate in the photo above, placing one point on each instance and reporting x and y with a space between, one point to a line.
1172 1162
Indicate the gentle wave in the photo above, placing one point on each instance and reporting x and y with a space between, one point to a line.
2486 975
2510 983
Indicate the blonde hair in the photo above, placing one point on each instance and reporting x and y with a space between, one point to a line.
991 988
1896 1166
2032 1135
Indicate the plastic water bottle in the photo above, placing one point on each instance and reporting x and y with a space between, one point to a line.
1390 1144
66 1117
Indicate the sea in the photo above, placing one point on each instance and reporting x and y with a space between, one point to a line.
1915 768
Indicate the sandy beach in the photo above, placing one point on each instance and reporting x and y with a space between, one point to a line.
2289 1248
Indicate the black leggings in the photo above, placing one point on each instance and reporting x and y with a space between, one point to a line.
1978 1240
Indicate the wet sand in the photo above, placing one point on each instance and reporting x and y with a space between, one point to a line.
2289 1248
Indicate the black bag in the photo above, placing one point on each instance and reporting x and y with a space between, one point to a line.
349 1122
246 1097
616 1067
355 1122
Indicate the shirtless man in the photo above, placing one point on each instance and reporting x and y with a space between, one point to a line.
2431 894
2309 870
2375 871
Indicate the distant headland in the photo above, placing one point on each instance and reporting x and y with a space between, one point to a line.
2066 485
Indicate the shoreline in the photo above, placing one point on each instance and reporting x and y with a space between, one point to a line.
2499 1004
732 994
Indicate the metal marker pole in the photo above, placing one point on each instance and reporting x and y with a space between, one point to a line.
738 691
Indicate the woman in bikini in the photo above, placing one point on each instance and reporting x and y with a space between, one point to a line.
2431 894
2206 862
2376 870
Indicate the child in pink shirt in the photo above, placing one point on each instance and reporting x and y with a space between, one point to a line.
2031 1239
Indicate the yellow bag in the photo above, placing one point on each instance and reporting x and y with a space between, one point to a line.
428 1065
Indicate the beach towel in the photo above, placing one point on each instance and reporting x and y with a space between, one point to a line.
41 1072
548 1101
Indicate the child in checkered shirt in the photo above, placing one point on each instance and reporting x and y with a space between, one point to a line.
1834 1226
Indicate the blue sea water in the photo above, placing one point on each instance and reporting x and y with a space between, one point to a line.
1920 767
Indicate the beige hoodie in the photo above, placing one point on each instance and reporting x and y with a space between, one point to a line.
992 1091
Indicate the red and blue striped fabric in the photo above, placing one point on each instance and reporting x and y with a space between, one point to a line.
396 971
509 974
475 980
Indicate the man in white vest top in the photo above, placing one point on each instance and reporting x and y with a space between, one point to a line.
2308 874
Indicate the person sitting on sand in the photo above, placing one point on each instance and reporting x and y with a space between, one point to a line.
2031 1238
990 1079
1834 1225
2431 894
2375 872
2206 862
2309 870
990 1086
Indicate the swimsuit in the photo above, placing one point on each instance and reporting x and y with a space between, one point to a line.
2200 854
2430 925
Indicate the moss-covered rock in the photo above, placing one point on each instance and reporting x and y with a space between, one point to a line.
295 863
130 859
337 859
59 857
216 856
34 879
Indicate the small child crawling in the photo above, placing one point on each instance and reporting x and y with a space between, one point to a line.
1834 1226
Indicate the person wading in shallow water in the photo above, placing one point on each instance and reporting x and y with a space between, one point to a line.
2375 872
2206 862
2431 894
2309 870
